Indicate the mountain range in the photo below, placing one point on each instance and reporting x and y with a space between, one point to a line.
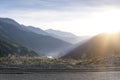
28 40
33 38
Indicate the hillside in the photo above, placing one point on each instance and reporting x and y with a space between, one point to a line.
43 45
10 48
102 46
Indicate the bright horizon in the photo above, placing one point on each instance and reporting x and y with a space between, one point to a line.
76 16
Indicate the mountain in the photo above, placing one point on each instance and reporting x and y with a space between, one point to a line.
65 36
11 48
42 44
101 46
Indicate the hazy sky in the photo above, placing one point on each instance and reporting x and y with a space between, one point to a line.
81 17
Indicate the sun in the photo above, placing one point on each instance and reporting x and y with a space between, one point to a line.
106 21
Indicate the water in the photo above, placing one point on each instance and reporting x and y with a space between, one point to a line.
63 76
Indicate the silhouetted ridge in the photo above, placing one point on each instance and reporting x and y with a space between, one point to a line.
101 46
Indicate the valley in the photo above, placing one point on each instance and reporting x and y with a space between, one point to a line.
28 47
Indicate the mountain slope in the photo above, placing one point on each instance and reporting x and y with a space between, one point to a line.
37 30
101 46
65 36
7 47
38 43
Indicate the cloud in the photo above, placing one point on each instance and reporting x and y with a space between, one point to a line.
66 15
34 4
54 4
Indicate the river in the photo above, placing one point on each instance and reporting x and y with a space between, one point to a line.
63 76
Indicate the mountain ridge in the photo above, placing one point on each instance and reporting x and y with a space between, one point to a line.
100 46
65 36
39 43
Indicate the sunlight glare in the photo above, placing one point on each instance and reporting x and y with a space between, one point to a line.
105 20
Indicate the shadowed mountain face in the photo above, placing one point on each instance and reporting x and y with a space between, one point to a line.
100 46
11 30
10 48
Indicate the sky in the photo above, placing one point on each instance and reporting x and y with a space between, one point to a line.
81 17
